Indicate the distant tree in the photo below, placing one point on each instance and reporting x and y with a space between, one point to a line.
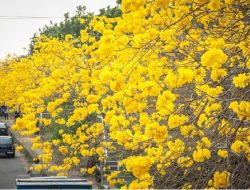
73 25
110 12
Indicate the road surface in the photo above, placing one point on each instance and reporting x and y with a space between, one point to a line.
10 168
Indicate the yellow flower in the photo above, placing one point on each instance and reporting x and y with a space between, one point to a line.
221 179
100 151
136 184
185 162
214 5
187 186
75 160
138 165
222 153
19 148
242 80
242 109
171 79
46 122
60 121
201 154
36 146
91 170
199 74
244 46
47 158
239 146
202 119
63 150
165 102
144 118
105 75
229 2
55 142
185 76
62 174
40 110
217 74
93 108
83 170
213 58
38 167
176 120
187 130
61 131
206 141
85 153
216 42
177 146
81 20
160 133
68 37
93 98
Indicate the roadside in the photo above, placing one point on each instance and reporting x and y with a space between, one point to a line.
26 142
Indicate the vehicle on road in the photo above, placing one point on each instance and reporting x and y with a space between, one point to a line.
3 129
7 146
52 182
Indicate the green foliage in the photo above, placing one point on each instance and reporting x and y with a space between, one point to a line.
119 2
110 12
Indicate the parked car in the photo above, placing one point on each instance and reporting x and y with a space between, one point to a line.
3 129
7 146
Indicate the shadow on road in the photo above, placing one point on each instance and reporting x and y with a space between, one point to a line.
6 157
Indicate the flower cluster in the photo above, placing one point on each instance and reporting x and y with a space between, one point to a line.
164 88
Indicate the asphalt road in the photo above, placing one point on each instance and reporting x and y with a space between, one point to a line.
10 168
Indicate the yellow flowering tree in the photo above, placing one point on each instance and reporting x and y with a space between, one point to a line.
170 79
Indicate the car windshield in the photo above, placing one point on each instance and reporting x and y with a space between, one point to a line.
4 140
2 125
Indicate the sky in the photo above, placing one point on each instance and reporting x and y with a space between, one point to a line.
16 26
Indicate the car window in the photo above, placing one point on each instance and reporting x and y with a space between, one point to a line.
2 125
5 140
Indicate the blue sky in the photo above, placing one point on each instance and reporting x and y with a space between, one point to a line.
15 33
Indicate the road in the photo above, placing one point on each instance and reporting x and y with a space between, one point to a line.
10 168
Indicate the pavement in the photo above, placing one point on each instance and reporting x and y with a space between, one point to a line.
10 169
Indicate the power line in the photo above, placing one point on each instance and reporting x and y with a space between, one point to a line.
28 17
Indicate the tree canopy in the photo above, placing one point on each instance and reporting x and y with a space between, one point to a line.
170 79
